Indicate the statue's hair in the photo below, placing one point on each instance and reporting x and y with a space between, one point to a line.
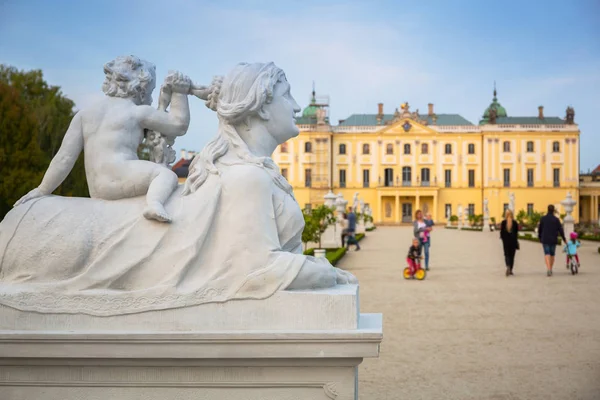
128 76
235 98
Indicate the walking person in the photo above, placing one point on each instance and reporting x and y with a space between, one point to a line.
509 234
351 234
548 232
421 231
344 223
429 222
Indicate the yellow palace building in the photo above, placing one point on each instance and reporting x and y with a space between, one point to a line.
405 161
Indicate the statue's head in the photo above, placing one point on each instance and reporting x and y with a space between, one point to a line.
130 77
259 92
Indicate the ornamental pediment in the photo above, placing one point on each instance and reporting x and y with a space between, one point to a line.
407 126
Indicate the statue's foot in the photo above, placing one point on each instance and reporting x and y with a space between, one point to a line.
345 277
157 212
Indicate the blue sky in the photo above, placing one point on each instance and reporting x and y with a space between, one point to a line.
359 53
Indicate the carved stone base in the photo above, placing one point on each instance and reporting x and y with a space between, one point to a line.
265 364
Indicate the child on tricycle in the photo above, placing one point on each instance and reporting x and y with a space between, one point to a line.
413 260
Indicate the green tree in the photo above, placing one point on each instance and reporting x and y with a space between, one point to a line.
34 117
309 234
316 222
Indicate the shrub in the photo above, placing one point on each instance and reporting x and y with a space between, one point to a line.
453 218
360 236
335 255
371 229
594 238
451 227
332 255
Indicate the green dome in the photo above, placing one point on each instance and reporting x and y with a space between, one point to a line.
310 111
495 105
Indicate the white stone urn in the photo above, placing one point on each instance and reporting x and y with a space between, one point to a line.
569 222
320 253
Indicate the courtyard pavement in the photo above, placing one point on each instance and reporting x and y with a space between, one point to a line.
469 332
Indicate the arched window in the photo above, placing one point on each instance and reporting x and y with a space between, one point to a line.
425 148
308 147
284 147
389 177
366 149
407 148
530 147
556 147
425 176
406 176
471 148
342 148
448 149
506 147
389 148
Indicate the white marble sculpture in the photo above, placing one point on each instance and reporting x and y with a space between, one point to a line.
110 131
568 222
331 238
511 202
355 203
236 228
369 213
486 215
460 216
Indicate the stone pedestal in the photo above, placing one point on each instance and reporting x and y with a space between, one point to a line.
360 226
569 222
294 345
486 224
332 237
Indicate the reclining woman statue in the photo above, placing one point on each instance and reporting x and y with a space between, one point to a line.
235 232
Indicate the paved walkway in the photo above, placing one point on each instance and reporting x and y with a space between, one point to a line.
468 332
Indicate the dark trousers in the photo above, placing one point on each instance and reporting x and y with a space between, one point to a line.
509 257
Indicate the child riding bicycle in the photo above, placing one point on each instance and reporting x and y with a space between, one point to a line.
571 248
414 256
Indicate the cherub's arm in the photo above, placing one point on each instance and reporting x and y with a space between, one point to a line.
61 164
177 120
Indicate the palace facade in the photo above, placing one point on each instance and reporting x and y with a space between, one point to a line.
405 161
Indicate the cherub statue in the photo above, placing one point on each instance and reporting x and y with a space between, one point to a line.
110 131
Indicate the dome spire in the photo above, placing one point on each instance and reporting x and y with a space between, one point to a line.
495 90
313 100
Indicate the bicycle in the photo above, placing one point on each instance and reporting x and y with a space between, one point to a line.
418 273
572 264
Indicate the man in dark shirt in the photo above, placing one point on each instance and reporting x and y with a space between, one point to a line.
549 230
352 230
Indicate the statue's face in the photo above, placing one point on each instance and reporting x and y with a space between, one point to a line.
282 110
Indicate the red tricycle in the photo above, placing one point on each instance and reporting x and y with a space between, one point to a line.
414 270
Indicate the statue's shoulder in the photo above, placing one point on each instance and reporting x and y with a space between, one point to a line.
245 176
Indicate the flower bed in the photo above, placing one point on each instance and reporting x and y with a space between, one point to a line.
533 238
472 228
451 227
371 229
593 238
334 255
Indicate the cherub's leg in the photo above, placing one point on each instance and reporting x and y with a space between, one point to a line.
161 187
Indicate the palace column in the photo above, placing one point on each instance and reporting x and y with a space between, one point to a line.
417 203
379 208
435 206
397 205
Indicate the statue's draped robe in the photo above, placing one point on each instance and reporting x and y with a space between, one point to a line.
237 237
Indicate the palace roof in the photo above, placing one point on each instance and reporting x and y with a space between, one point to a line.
371 120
